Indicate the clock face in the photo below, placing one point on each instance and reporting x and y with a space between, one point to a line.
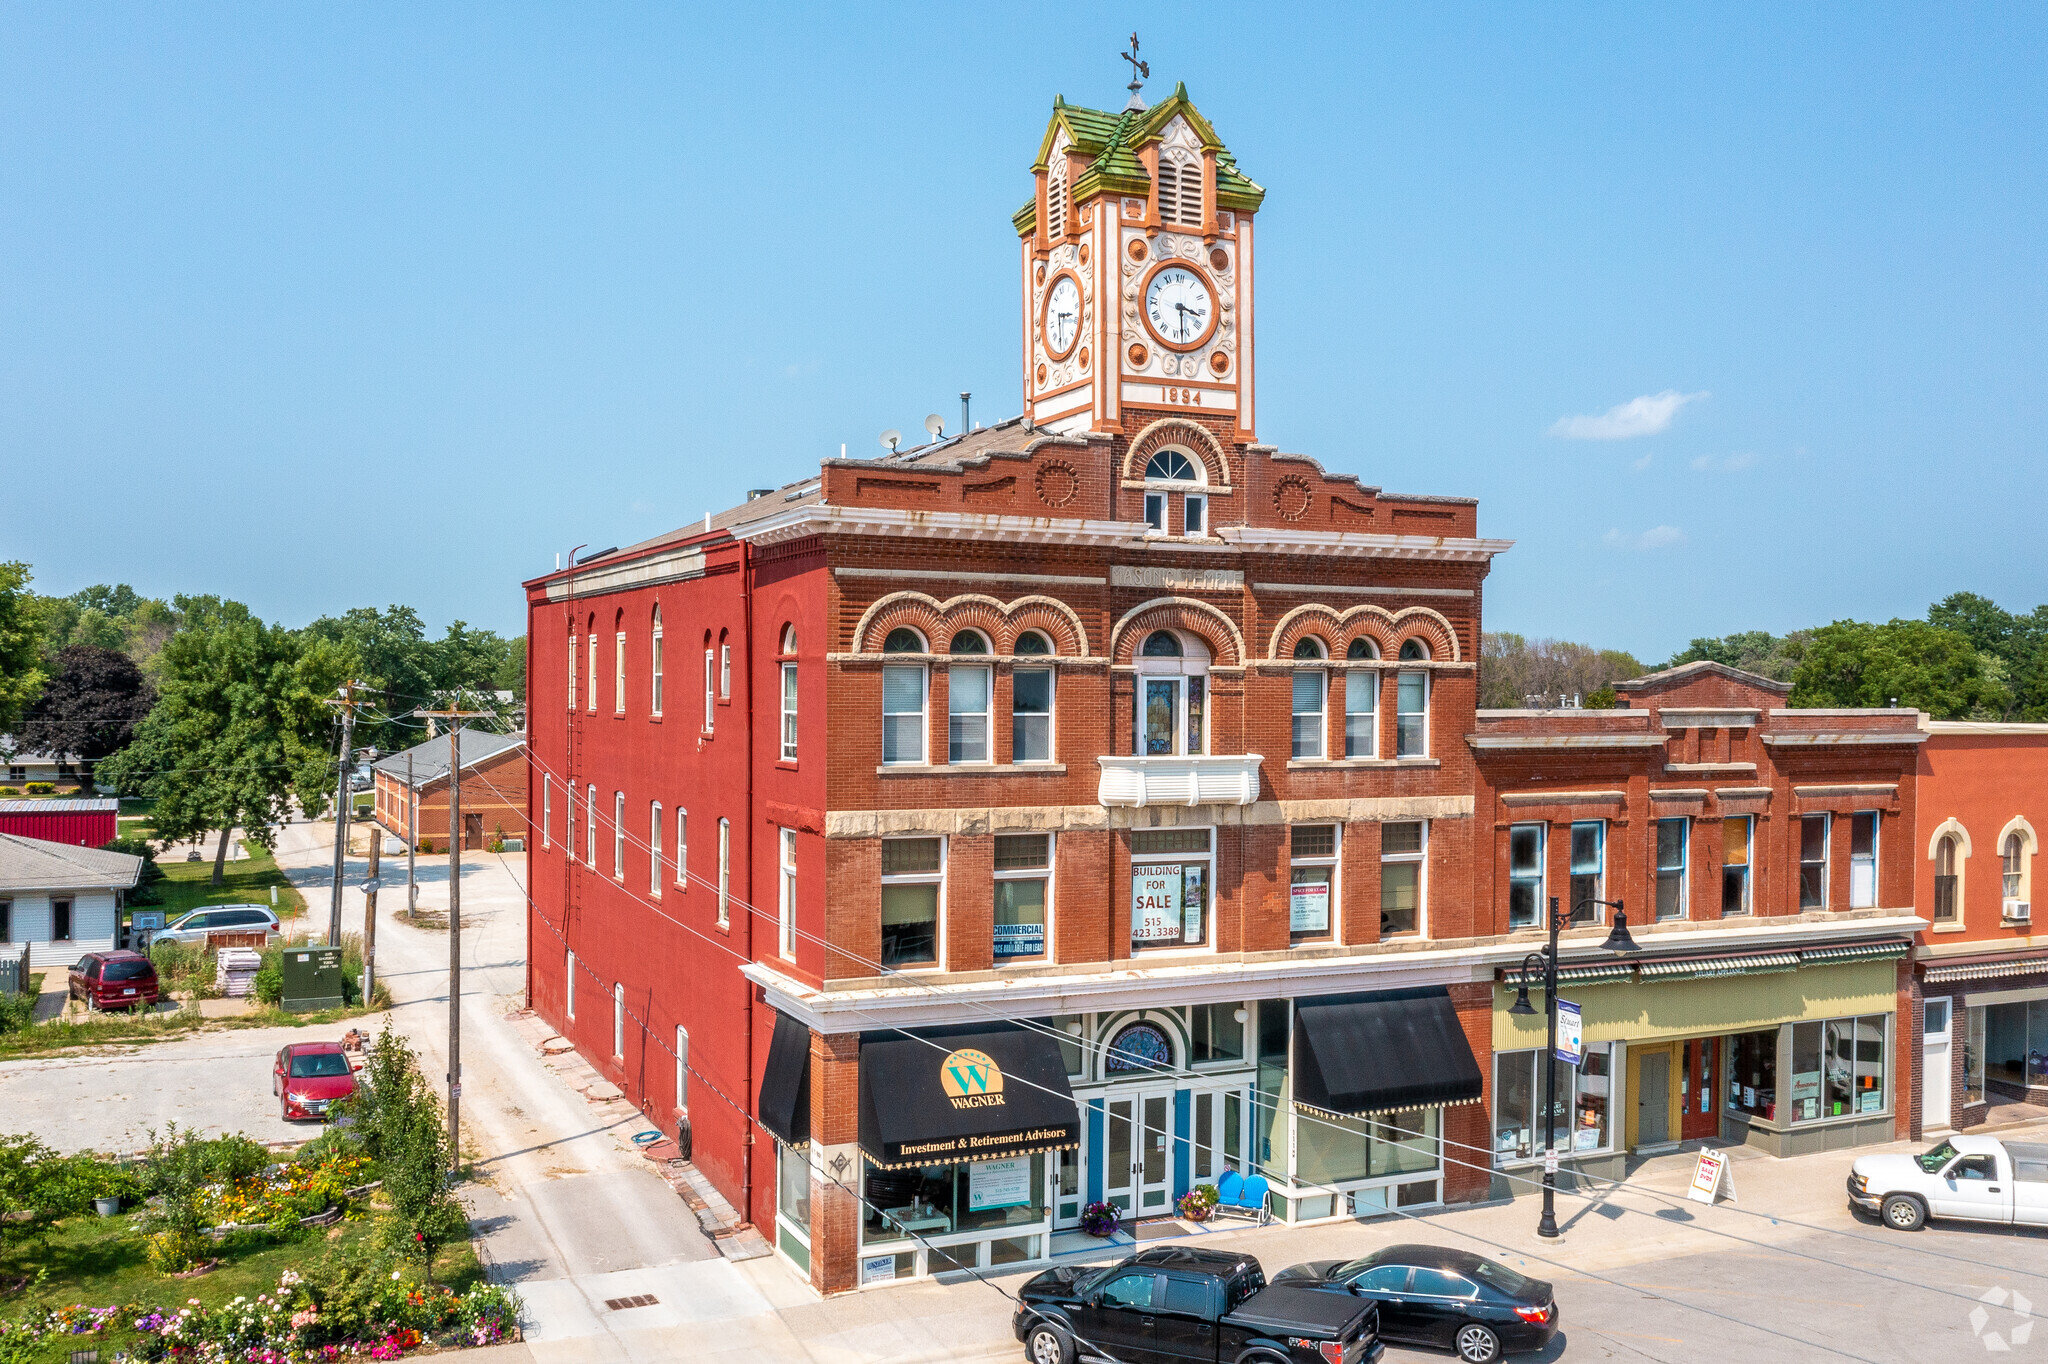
1179 307
1062 315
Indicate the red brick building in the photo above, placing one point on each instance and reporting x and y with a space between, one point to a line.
1766 858
411 789
1983 977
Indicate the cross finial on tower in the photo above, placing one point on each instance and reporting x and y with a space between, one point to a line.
1139 72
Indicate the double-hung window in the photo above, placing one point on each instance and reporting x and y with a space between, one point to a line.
569 983
903 701
590 650
1671 867
708 695
967 703
590 825
1863 860
1155 513
1194 514
654 664
568 820
572 670
1031 715
1311 882
1813 862
785 911
725 873
1411 708
618 1022
1361 705
619 674
1402 851
1735 892
1170 874
654 849
1589 866
547 811
683 850
619 835
724 671
913 879
1525 875
789 712
1023 892
1311 721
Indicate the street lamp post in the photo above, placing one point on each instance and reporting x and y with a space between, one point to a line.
1617 941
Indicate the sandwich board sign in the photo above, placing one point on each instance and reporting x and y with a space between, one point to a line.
1711 1177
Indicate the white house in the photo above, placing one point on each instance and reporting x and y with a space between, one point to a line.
62 901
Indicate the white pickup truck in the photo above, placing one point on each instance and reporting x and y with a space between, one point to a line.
1972 1179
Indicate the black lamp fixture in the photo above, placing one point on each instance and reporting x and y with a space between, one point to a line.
1618 940
1520 1008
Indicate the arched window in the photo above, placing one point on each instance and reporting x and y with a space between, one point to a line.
619 663
789 639
1172 696
590 650
1173 467
572 665
2013 859
903 700
789 693
654 661
969 642
1945 906
1414 651
1033 644
1311 693
1162 644
1308 646
969 697
1362 648
903 640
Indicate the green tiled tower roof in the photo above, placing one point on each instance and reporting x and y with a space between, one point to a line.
1111 142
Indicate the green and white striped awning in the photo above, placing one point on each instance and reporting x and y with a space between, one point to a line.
1698 968
1593 973
1862 951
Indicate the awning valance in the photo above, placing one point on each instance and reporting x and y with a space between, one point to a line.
786 1085
940 1095
1382 1052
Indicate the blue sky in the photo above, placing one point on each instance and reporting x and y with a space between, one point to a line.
1731 317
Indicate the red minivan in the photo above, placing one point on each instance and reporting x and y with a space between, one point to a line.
114 980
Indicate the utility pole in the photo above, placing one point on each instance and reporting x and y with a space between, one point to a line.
370 911
455 715
412 840
345 700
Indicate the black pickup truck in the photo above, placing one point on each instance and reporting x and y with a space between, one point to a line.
1179 1305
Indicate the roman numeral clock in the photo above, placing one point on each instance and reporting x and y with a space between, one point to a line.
1137 260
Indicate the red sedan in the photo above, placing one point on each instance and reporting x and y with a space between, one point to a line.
309 1077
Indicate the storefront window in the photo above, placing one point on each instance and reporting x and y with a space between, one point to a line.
1333 1150
793 1205
1219 1035
1071 1029
1401 859
1584 1103
946 1200
1169 897
1973 1055
1405 1143
1023 866
1274 1031
1312 875
1753 1073
1838 1068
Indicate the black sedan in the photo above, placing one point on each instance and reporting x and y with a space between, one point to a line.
1451 1298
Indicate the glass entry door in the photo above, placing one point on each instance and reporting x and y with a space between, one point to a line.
1063 1170
1215 1139
1137 1175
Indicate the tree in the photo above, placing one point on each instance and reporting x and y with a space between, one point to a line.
235 733
1514 669
90 707
389 652
512 671
1753 651
116 617
396 1115
21 672
1902 662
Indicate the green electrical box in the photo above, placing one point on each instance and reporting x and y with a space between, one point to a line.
312 979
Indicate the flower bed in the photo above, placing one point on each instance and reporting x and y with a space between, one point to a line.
365 1311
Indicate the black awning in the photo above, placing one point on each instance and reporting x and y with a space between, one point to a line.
980 1092
786 1086
1382 1052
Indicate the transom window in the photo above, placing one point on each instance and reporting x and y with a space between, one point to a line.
1033 644
903 640
1414 651
969 642
1171 466
1161 644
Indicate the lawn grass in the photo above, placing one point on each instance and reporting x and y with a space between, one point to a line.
129 1029
188 885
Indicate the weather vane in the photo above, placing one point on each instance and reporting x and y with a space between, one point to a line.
1139 70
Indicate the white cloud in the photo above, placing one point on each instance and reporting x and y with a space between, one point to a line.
1642 463
1724 463
1644 416
1656 537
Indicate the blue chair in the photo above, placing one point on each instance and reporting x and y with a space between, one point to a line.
1257 1199
1241 1197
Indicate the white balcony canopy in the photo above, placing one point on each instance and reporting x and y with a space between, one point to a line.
1227 779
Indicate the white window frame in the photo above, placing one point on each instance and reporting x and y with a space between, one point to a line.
789 705
926 878
654 848
655 663
1321 713
710 696
986 715
619 836
619 674
1155 513
1683 869
590 826
1748 867
1419 859
1827 858
618 1021
1044 874
569 984
1368 680
1865 896
1572 874
1208 859
568 821
1334 932
1542 877
682 849
590 702
1192 663
547 811
785 902
724 671
923 713
573 651
1399 714
1052 687
725 873
1194 514
682 1070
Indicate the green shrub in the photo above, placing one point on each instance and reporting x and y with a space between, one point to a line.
16 1012
181 1166
9 791
145 892
268 986
400 1121
42 788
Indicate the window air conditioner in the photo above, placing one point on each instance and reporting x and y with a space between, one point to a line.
2017 911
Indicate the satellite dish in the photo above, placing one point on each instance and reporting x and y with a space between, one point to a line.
892 438
935 425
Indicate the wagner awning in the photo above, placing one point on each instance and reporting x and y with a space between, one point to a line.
1382 1052
981 1092
786 1086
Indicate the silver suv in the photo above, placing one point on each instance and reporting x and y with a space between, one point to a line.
194 927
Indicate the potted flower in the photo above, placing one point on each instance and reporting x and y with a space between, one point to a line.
1198 1203
1100 1219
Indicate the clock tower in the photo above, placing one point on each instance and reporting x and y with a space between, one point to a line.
1138 267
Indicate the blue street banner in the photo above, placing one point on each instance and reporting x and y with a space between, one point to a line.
1570 1036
